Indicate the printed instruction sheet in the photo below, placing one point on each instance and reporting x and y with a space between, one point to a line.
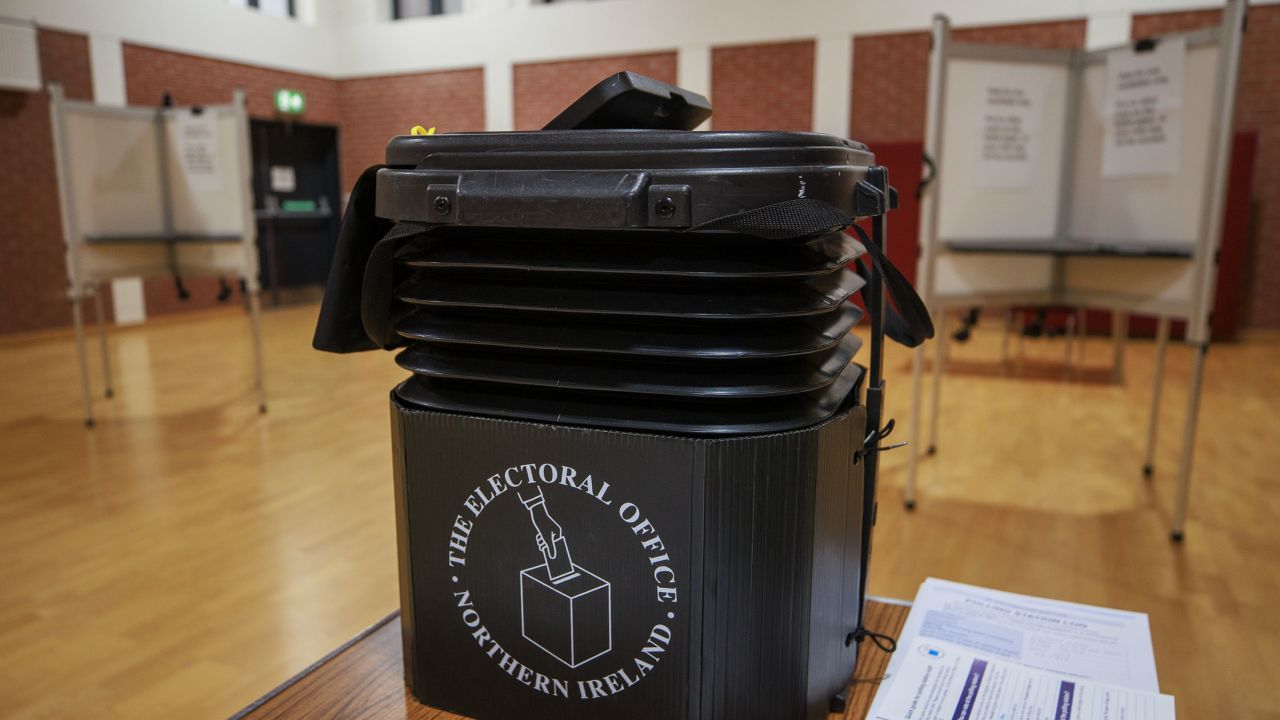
941 681
1143 134
1008 145
1078 641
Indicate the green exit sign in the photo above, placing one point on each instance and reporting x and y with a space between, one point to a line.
290 101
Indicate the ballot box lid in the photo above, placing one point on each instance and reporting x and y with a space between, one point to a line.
624 178
616 269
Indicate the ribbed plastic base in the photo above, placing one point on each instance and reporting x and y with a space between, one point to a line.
554 571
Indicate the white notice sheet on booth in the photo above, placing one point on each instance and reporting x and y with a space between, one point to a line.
1008 146
1143 110
198 150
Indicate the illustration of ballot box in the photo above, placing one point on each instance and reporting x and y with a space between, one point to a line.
570 619
634 466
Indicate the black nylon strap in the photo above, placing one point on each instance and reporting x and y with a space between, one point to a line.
799 217
340 328
907 322
377 302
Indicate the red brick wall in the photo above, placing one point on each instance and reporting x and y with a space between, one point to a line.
763 87
543 89
374 109
33 277
1258 110
891 73
1059 34
195 80
890 78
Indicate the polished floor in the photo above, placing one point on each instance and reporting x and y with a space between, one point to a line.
187 555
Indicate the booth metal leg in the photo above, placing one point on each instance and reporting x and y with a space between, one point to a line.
1022 337
917 398
102 340
1119 333
82 359
255 324
1188 443
1082 332
1157 384
1069 344
939 359
1004 343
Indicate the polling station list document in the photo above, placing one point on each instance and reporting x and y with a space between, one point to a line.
968 652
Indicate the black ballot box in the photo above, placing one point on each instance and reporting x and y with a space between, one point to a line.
710 578
635 454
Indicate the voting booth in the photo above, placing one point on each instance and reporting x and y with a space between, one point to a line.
634 458
1089 179
153 191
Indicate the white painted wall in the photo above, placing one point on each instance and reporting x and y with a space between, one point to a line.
693 71
351 38
499 96
106 68
1108 29
832 83
214 28
516 31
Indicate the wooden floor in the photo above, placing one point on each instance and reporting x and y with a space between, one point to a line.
188 554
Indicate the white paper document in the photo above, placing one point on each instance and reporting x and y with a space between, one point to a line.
969 653
198 150
1008 145
283 179
1078 641
941 681
1143 112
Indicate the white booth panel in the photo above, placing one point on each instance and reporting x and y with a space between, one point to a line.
114 163
1153 282
208 179
981 275
1146 209
981 199
106 262
217 259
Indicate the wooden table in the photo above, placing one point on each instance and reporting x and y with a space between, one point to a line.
364 679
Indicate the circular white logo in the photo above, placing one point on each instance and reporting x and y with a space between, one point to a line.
566 585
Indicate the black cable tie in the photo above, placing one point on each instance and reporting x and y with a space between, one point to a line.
882 641
888 429
871 443
928 179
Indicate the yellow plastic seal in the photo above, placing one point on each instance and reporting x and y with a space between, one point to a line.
419 130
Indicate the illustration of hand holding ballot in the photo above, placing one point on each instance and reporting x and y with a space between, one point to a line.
550 538
565 610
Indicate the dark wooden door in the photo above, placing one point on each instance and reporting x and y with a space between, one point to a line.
296 195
